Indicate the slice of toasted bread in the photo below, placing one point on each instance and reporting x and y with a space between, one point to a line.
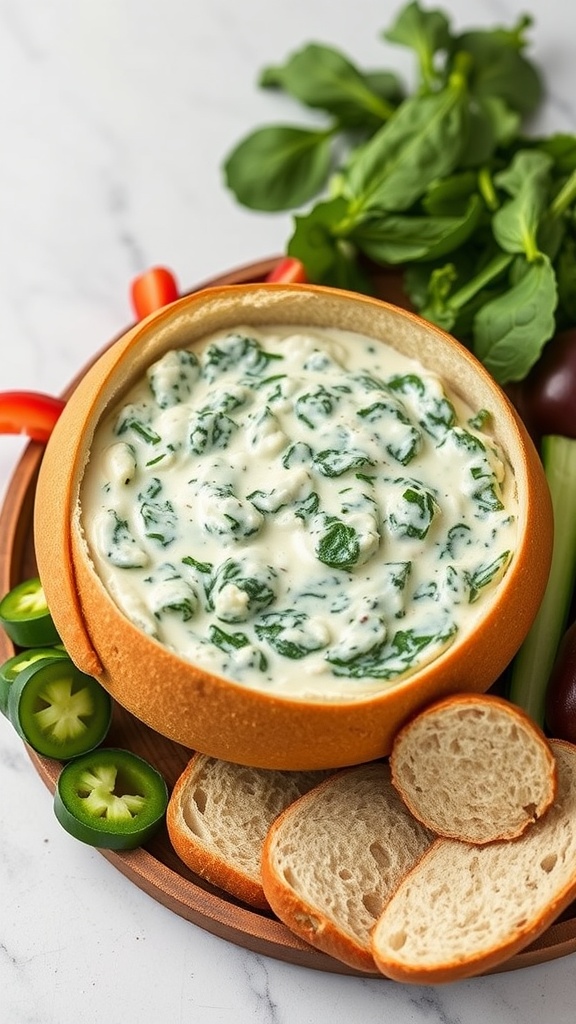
465 909
474 767
218 816
333 858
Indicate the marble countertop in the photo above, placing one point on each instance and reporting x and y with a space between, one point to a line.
114 119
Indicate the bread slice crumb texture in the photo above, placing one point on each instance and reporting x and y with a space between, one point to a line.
333 858
465 908
474 767
219 814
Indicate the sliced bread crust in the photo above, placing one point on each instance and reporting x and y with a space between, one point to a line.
474 767
218 816
333 858
465 909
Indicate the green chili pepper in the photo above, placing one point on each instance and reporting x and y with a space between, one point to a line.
110 798
58 710
25 617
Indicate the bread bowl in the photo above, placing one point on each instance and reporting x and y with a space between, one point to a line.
206 710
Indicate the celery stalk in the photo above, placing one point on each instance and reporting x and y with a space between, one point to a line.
533 663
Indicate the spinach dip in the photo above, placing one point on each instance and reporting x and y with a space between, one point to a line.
305 512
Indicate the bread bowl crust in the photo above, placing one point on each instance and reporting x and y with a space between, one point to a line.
466 967
214 715
515 714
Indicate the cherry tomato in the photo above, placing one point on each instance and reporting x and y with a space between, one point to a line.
29 412
288 271
152 290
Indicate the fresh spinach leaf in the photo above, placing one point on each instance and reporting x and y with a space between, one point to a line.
423 141
279 167
511 330
499 66
396 238
322 77
516 223
425 32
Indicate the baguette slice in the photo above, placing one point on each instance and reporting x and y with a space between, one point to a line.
465 908
333 858
474 767
218 816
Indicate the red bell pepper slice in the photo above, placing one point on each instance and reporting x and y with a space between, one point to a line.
29 412
153 290
288 271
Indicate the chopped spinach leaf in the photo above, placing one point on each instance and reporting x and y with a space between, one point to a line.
290 633
333 462
231 643
415 512
239 589
237 351
485 574
210 429
172 377
339 544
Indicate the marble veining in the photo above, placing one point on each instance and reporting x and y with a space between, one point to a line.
115 118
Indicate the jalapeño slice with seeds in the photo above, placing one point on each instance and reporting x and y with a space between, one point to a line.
25 617
111 798
13 666
58 710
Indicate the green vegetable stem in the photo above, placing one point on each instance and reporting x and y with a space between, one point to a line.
442 181
546 400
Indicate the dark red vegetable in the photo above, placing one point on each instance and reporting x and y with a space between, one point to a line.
561 693
546 399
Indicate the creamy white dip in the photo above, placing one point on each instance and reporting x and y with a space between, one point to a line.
309 513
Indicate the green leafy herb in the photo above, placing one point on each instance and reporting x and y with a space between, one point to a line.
485 574
121 547
400 438
210 429
160 521
290 633
230 643
172 377
415 512
395 657
333 463
443 180
339 544
203 567
237 590
237 351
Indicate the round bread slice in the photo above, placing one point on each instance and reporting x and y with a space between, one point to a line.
334 857
218 816
466 909
474 767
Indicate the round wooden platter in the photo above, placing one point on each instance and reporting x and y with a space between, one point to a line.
155 868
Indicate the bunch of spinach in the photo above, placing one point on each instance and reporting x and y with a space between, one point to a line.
443 182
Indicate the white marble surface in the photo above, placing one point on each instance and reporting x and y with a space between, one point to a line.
115 116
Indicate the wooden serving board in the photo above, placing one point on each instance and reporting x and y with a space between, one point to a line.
155 868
